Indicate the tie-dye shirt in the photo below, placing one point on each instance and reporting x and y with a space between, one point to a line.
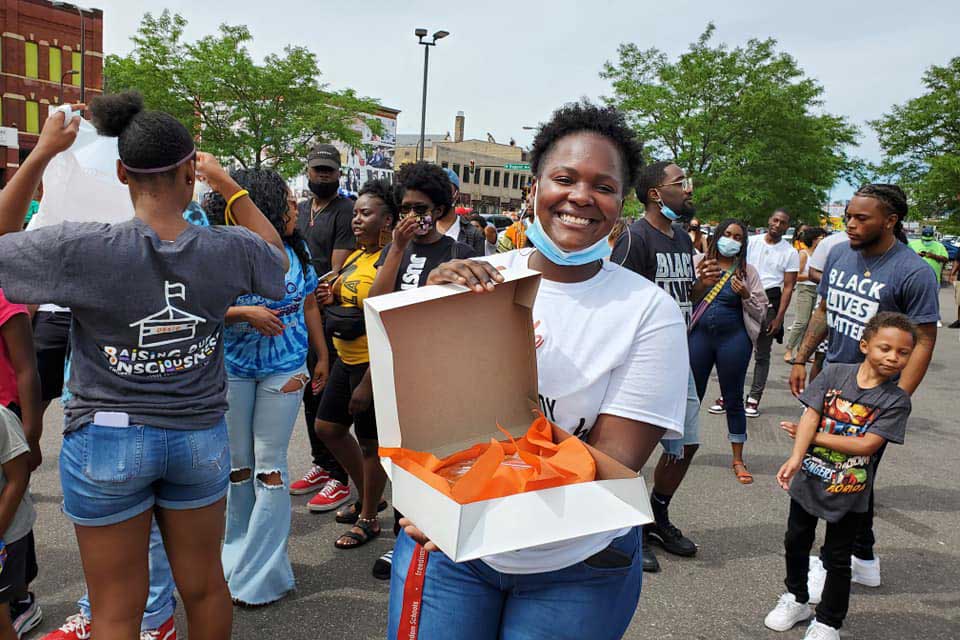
249 354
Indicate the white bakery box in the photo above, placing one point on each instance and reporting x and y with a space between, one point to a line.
447 365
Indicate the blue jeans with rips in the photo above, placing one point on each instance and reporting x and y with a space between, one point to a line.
593 599
260 422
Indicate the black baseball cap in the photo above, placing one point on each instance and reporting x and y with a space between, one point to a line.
324 155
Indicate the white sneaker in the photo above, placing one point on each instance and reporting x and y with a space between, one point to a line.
787 613
717 407
751 408
820 631
816 578
865 572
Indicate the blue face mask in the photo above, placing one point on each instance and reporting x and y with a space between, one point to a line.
667 212
728 247
556 255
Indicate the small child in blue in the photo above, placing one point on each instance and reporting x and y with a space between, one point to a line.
853 410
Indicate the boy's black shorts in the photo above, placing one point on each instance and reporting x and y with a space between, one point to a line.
19 570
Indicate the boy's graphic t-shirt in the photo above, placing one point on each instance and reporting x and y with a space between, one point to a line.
147 328
831 484
666 261
249 354
899 281
420 259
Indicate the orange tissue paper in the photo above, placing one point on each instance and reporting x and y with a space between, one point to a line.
501 468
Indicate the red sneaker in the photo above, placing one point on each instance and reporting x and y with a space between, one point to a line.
166 631
76 627
333 494
312 481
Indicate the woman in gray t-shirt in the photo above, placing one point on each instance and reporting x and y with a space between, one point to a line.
144 428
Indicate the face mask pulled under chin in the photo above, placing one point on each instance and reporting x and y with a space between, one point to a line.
552 252
323 190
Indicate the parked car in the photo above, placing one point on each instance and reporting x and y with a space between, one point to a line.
499 221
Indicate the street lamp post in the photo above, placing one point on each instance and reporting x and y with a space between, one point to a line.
64 77
421 34
83 46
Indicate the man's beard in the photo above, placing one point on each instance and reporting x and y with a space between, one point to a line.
867 243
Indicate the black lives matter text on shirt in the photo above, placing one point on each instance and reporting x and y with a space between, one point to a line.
420 259
666 261
331 230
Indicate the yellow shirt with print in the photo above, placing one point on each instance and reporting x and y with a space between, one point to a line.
353 288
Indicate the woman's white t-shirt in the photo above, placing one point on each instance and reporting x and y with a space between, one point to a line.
614 344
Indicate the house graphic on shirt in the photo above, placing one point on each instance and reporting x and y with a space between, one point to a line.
169 325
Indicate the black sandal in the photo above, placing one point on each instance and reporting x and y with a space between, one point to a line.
352 512
368 533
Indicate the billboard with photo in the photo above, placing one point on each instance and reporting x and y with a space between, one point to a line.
374 160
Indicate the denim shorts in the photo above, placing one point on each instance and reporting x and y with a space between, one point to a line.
691 423
112 474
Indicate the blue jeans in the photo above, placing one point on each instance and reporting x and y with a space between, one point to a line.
160 601
592 599
720 339
260 421
691 424
112 474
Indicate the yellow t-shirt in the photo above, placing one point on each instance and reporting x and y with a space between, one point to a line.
353 288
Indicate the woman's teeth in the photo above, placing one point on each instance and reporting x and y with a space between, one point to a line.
569 219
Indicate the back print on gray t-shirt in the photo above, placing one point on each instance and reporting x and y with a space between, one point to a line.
147 329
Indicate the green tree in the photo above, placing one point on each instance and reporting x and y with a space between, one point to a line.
745 122
921 141
258 115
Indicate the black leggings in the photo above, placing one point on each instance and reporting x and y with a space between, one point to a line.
835 554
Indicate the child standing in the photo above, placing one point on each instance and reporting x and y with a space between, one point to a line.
16 519
853 410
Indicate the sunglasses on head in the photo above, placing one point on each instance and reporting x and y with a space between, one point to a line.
418 209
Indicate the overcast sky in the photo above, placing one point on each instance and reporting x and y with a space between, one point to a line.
508 64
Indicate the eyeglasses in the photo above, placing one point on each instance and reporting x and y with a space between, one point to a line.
686 184
418 209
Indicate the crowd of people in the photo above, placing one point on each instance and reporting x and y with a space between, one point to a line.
184 343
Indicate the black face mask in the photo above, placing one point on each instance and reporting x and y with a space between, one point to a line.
324 190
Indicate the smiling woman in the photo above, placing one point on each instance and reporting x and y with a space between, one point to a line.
608 341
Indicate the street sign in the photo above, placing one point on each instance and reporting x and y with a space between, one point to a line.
517 166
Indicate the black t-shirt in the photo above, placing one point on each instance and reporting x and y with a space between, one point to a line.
420 259
331 230
666 261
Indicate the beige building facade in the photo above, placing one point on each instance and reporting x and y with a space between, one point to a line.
489 186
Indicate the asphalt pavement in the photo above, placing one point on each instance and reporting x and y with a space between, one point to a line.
722 593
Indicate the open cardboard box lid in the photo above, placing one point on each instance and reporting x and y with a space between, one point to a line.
448 364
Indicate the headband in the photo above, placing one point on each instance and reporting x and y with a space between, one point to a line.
186 158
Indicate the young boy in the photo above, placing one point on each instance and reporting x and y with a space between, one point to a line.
16 519
853 410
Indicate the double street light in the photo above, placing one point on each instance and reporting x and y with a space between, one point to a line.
83 46
421 34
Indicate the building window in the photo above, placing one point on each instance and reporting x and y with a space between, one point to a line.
444 164
496 178
30 61
33 117
56 66
456 168
486 177
76 64
506 180
516 181
466 174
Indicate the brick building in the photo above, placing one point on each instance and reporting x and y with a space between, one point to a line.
40 46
